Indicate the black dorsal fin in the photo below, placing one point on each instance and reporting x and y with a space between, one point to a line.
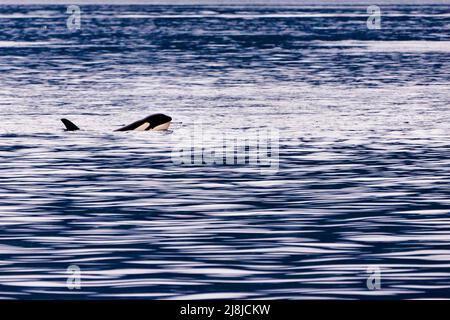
69 125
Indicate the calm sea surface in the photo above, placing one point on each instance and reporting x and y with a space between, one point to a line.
363 182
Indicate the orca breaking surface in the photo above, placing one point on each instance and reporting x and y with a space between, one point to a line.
156 122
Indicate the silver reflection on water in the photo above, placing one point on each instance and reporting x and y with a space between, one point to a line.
363 176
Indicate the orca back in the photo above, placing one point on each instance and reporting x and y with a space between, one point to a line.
156 121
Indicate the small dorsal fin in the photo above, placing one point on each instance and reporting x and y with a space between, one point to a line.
69 125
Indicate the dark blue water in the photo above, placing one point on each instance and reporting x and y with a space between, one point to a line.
363 172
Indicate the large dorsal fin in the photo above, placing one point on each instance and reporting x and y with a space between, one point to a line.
69 125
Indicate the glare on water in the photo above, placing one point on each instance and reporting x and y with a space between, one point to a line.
363 173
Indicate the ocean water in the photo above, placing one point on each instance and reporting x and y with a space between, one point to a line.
362 186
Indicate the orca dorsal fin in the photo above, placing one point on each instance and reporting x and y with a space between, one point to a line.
69 125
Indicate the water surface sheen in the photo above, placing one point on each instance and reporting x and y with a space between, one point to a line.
363 179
